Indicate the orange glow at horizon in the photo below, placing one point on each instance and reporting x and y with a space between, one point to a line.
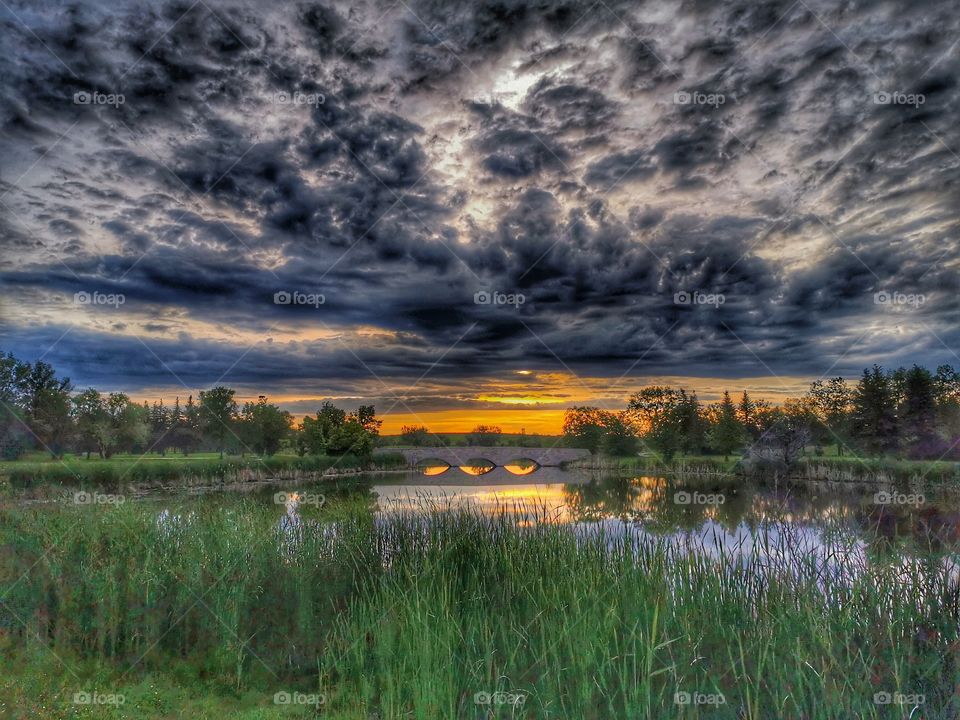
530 401
533 421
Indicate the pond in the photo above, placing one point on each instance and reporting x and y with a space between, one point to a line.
830 595
839 526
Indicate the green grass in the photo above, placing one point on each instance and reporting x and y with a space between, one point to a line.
150 470
35 685
809 467
652 463
580 628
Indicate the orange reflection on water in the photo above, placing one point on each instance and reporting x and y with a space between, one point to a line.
477 469
435 469
531 503
524 469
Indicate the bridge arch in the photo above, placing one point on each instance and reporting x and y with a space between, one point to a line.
498 456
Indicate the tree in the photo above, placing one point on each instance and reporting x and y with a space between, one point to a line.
184 427
15 436
47 407
217 412
584 427
334 432
664 416
160 427
350 438
329 417
129 424
948 403
787 436
187 432
874 418
414 435
315 431
619 437
747 415
651 405
310 438
918 414
366 415
484 435
831 403
727 433
600 431
94 429
263 427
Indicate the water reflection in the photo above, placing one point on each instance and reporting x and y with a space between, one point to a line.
736 519
784 529
430 470
478 468
521 467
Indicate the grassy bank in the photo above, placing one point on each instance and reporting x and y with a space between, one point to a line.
885 470
655 464
152 471
231 605
812 467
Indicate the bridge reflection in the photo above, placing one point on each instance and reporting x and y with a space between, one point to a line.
478 466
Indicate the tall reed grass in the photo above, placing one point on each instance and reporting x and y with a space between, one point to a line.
456 614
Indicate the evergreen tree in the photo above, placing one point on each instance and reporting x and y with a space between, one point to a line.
948 404
874 417
727 433
747 414
918 414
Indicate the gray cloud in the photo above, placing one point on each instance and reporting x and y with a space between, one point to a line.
462 147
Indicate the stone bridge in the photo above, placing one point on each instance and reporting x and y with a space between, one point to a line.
499 456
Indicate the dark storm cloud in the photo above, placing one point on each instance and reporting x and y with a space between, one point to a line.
470 147
568 106
631 165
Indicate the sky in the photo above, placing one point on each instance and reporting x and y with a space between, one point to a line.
478 212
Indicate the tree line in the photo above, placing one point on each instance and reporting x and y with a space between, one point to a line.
39 410
912 413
